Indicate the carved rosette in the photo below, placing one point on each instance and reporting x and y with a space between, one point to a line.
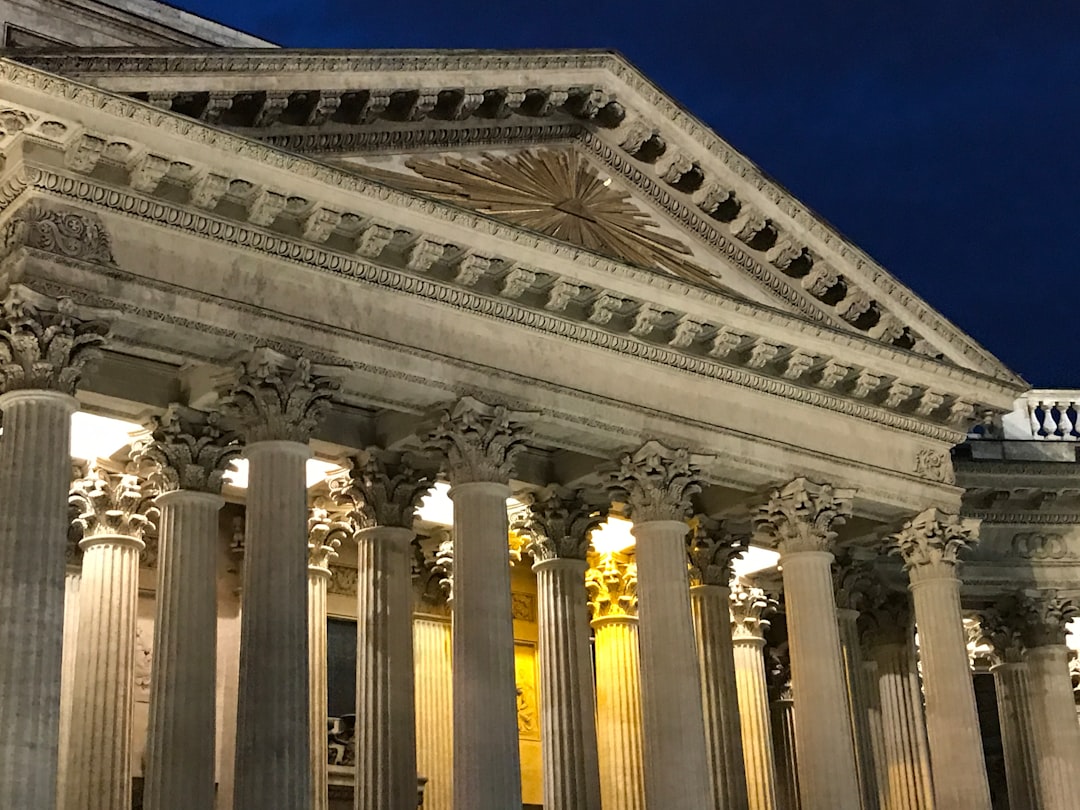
886 620
328 527
186 449
931 542
278 398
557 523
656 482
749 607
111 505
712 548
45 343
58 230
855 584
611 582
478 441
800 516
382 489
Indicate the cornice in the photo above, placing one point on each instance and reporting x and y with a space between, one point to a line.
792 220
1018 469
718 302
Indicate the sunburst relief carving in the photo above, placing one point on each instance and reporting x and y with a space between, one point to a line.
554 192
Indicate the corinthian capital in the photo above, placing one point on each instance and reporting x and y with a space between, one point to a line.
714 546
478 441
187 449
800 516
1000 628
46 343
887 620
932 541
612 585
328 528
111 504
855 584
749 606
382 489
657 482
557 523
1036 618
278 398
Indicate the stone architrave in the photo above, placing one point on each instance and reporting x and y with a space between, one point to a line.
611 582
1056 729
45 346
277 402
854 583
888 633
999 626
113 515
713 548
478 443
798 519
930 544
748 625
558 524
184 460
327 530
657 484
383 491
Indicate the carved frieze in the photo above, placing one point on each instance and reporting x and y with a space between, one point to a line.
383 488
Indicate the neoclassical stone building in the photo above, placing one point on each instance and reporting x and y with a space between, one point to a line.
482 423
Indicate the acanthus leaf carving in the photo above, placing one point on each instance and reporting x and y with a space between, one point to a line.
801 515
713 547
611 582
558 523
750 607
478 441
382 488
112 505
328 527
931 542
656 482
187 449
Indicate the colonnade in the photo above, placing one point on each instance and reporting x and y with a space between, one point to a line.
645 729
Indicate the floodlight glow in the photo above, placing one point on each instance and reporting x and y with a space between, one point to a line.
1072 634
317 471
755 559
436 506
94 436
614 534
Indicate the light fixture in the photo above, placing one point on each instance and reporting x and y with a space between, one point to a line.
317 471
614 534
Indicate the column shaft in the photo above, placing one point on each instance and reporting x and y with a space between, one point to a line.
952 722
906 759
877 730
756 730
72 585
99 771
720 699
618 713
487 761
826 758
1012 683
787 761
1057 734
855 676
35 472
320 789
273 712
385 686
676 759
183 685
434 711
567 705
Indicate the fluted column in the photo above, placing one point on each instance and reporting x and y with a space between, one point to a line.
479 443
713 547
1056 734
557 523
930 544
798 519
853 582
112 516
277 403
612 587
72 585
184 458
658 483
905 773
384 490
748 606
325 535
434 710
782 710
44 348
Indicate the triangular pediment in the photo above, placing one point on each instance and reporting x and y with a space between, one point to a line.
496 132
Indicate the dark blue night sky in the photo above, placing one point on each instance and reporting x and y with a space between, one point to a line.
942 137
